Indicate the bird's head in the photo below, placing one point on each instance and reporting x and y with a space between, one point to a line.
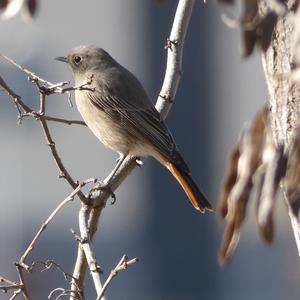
85 59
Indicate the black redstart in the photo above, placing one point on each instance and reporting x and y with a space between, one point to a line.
119 112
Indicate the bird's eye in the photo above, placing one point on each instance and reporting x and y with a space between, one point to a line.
77 60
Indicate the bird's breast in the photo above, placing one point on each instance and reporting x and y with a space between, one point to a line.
110 132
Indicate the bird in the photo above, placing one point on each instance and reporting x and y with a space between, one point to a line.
117 109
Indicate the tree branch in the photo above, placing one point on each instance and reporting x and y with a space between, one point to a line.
163 105
50 218
174 59
86 244
123 264
64 121
24 110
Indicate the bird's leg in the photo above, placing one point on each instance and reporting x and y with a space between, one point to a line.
114 171
106 185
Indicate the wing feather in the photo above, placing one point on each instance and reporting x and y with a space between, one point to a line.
119 93
146 123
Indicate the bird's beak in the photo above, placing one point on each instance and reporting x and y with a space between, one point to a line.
61 58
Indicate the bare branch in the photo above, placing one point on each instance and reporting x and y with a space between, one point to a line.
86 245
163 105
6 288
15 294
64 173
16 98
64 293
123 264
8 285
50 218
68 122
30 74
174 60
3 279
83 86
24 110
24 289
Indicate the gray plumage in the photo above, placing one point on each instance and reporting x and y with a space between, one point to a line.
134 124
119 112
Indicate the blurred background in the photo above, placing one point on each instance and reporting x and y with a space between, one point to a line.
152 218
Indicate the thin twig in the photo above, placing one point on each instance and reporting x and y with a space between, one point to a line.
64 173
87 247
49 87
50 218
27 111
24 289
3 279
64 293
30 74
10 286
82 86
68 122
16 98
48 265
123 264
42 103
6 288
15 294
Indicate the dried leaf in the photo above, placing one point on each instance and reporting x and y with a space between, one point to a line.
243 165
229 181
265 30
256 29
13 7
3 4
32 7
229 243
248 42
274 168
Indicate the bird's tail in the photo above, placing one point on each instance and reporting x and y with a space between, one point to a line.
191 189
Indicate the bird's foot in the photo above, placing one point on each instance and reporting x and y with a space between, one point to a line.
101 186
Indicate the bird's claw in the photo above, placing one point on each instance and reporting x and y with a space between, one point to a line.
104 187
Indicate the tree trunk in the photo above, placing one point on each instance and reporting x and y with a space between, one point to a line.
278 62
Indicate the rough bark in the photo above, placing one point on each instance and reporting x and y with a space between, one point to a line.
283 99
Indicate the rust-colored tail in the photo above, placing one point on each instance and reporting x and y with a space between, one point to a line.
198 200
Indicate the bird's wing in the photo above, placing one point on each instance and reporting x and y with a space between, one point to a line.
140 120
120 94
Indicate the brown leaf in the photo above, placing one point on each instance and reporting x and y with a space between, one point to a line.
229 243
248 42
243 165
273 170
3 4
12 8
32 7
229 181
265 30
